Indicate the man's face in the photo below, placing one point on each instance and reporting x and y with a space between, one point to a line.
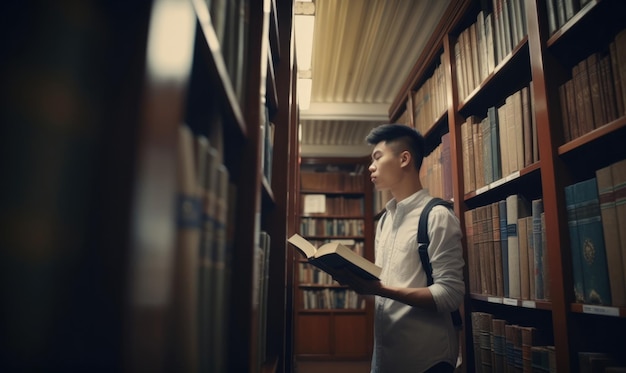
385 169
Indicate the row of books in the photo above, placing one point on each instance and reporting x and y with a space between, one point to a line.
561 11
509 26
596 217
332 205
506 249
595 95
502 143
482 45
503 347
332 181
339 298
309 274
331 227
230 23
202 260
430 100
436 171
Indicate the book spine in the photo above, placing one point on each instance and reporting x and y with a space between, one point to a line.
497 250
523 258
618 173
537 209
577 270
611 233
591 241
495 144
531 256
504 246
486 148
512 213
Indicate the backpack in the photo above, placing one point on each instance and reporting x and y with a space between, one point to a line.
422 247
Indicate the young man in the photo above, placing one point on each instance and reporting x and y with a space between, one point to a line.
413 331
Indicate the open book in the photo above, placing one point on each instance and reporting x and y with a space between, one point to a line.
335 255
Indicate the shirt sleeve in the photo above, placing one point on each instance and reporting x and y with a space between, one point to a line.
446 257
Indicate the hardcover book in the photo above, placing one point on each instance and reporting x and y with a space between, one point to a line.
485 131
522 238
539 265
577 271
479 163
504 247
497 250
471 261
335 256
531 256
591 243
612 236
618 173
494 126
498 344
515 208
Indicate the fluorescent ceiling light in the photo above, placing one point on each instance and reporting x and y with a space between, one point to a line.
304 29
305 25
304 93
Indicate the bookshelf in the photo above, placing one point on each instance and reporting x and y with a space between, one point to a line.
541 50
131 269
332 322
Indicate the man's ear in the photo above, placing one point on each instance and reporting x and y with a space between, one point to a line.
405 158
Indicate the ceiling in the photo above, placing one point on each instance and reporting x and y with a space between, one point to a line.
363 51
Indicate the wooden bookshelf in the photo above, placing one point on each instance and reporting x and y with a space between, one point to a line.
97 102
323 328
541 58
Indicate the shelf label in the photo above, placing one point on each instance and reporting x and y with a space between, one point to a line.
510 301
494 300
529 304
482 189
601 310
512 176
497 183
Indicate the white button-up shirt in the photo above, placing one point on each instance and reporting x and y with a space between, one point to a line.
406 338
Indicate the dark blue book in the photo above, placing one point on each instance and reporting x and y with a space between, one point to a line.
577 269
504 246
591 243
539 264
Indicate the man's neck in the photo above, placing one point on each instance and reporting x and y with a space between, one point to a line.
406 190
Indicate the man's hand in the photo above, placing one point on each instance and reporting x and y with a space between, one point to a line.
356 283
416 297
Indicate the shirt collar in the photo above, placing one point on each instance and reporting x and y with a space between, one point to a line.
408 203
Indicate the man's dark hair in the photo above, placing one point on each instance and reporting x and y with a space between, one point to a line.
408 139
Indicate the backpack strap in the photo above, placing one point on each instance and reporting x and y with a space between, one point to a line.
422 235
422 246
382 219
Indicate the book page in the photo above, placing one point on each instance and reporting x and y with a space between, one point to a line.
303 245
